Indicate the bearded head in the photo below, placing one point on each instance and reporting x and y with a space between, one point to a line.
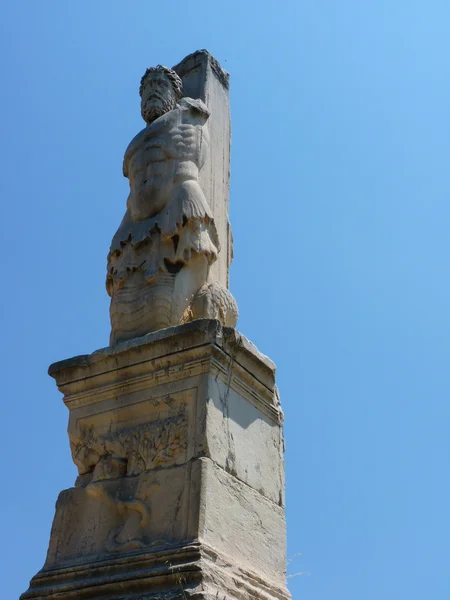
160 90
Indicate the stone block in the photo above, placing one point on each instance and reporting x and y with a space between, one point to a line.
177 437
198 390
151 511
229 506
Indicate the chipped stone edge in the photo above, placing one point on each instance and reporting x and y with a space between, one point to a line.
205 572
211 332
192 60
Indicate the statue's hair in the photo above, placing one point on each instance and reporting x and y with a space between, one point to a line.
174 79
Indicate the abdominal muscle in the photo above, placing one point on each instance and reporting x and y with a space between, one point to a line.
150 189
153 187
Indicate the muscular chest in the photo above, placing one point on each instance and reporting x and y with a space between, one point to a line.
152 153
151 147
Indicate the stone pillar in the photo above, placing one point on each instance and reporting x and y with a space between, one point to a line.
177 437
203 78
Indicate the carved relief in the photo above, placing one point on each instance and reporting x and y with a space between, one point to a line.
160 257
134 516
130 450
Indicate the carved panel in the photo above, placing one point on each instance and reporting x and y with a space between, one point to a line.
133 438
123 514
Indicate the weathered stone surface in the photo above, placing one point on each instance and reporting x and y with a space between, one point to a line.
108 517
163 343
203 78
192 571
178 443
210 394
176 428
160 261
229 506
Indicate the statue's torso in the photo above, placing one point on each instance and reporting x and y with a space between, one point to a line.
160 256
161 156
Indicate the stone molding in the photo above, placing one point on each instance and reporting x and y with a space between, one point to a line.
141 364
193 571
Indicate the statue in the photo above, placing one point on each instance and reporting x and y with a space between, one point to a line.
169 503
160 257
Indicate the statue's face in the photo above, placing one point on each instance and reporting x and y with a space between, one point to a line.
158 97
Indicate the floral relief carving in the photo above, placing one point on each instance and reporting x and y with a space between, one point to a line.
130 450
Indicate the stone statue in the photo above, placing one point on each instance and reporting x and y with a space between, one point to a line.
169 503
160 257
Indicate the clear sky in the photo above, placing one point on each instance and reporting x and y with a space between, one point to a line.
340 213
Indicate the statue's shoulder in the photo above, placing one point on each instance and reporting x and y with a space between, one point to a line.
135 142
195 105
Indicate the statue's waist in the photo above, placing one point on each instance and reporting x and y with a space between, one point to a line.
185 171
165 170
156 181
151 196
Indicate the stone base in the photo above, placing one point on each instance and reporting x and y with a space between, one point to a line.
177 437
194 571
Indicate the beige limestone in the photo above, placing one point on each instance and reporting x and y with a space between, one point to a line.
177 437
204 78
176 428
160 264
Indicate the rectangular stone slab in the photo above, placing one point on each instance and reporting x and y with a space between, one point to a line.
204 78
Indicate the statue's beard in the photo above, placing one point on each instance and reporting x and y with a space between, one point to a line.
150 113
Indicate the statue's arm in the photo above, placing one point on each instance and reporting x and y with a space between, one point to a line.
196 109
193 130
203 144
126 158
132 148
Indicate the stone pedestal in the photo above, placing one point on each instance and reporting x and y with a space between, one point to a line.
178 441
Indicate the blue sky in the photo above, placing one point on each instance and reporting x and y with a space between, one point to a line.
340 213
